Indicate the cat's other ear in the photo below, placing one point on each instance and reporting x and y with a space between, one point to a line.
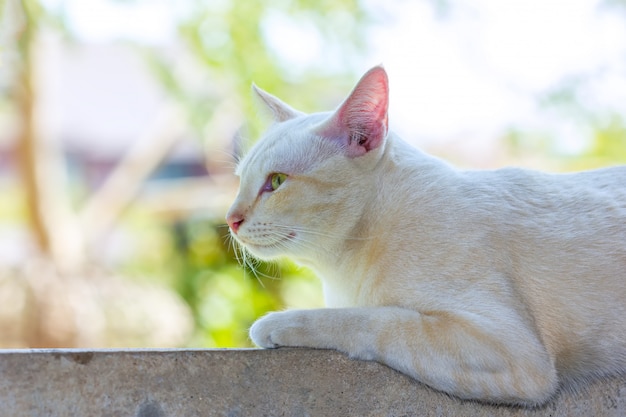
360 123
280 111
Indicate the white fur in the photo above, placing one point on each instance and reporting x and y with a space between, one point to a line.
490 285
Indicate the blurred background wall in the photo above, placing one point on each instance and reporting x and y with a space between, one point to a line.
121 122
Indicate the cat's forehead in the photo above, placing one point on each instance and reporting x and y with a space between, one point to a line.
288 147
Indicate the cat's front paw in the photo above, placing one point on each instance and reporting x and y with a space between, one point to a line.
286 328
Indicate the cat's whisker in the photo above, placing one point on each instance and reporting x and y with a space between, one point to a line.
318 233
229 159
303 242
230 156
245 260
253 263
240 253
250 263
228 241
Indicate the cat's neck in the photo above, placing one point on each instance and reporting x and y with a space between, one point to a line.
383 191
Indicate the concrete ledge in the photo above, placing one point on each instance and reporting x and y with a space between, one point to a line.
283 382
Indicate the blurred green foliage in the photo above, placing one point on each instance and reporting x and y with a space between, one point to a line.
608 145
196 258
227 48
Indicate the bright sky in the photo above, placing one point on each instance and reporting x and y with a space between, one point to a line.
471 73
482 67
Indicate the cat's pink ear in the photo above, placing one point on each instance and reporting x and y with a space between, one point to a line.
360 123
280 111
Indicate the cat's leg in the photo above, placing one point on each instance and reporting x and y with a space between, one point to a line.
466 356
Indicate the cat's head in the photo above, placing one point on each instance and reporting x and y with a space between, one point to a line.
303 185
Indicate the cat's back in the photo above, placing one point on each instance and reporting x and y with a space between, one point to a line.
565 230
568 224
588 205
510 209
577 205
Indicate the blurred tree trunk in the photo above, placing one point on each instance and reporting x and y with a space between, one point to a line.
52 222
27 143
60 235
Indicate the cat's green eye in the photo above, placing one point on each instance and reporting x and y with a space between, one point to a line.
277 179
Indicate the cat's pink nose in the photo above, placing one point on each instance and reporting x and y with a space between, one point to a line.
234 220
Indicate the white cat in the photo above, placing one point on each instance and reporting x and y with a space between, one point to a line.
491 285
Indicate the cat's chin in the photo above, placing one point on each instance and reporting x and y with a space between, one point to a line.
267 252
267 248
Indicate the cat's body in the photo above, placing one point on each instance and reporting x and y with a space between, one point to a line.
491 285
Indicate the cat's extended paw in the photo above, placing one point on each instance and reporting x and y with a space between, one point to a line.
286 328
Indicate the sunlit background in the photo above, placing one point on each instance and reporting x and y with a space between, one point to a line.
121 120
